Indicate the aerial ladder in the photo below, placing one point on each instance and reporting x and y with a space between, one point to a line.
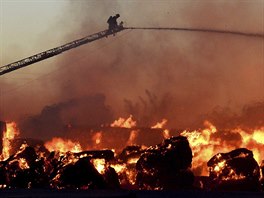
57 50
99 35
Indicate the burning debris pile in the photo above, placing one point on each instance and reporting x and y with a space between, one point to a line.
125 165
172 164
166 166
25 169
236 170
29 168
83 171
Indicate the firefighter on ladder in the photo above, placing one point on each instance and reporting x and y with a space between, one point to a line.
112 23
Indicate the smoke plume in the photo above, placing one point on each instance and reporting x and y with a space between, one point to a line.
55 119
180 76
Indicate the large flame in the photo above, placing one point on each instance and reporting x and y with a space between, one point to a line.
160 125
205 143
8 135
209 141
258 135
132 137
253 140
61 145
127 123
124 123
100 165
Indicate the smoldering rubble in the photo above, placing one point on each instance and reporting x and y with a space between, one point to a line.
161 167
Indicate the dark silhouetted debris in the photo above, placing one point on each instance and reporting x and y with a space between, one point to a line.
201 183
28 168
166 166
128 159
76 171
111 178
236 170
25 169
101 154
79 175
130 152
262 173
38 145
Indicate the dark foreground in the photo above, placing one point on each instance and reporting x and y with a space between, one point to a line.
12 193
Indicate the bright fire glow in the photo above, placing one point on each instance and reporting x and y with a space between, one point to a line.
132 137
258 136
123 169
131 175
253 140
205 143
23 163
220 166
59 144
225 172
8 135
133 160
124 123
119 168
166 134
209 141
97 138
99 164
160 125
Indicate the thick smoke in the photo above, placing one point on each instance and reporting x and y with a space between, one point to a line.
180 76
55 119
251 116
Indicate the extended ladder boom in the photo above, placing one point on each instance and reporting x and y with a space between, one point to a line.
55 51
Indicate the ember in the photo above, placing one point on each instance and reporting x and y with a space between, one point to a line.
97 138
236 170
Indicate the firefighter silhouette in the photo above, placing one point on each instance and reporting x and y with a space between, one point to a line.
112 23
